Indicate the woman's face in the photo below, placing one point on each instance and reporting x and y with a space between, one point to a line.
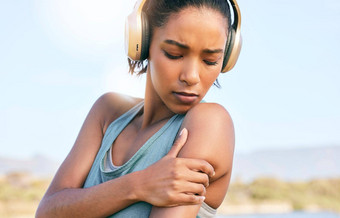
186 56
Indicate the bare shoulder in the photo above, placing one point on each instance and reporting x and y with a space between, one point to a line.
209 113
111 105
75 168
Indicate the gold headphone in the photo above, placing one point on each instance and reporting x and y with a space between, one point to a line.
137 36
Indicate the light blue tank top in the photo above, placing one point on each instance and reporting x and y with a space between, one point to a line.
153 150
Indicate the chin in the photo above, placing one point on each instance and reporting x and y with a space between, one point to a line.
181 109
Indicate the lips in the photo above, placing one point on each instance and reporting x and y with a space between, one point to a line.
186 97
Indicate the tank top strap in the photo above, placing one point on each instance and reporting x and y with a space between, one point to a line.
110 135
119 124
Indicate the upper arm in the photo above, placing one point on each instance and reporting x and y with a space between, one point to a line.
75 168
211 137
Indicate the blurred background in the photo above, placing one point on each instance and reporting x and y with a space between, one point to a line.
58 57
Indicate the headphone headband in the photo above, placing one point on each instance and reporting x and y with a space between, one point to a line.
137 36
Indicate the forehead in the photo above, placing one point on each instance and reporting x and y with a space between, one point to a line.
195 26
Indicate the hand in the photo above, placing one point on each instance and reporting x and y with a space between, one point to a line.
176 181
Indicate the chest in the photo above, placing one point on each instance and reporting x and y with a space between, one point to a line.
130 140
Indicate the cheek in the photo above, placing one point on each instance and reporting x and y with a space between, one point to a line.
162 69
209 78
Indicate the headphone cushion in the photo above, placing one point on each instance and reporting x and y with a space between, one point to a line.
229 47
145 37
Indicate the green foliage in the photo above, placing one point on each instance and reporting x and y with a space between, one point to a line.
22 187
323 193
21 192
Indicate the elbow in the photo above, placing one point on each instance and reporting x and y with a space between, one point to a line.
42 211
39 213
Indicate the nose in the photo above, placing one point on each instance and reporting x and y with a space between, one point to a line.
190 73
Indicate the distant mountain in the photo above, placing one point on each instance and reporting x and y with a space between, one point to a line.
289 164
37 166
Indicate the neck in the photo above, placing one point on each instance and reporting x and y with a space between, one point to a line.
154 108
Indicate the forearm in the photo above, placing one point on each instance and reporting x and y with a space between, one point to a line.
186 211
97 201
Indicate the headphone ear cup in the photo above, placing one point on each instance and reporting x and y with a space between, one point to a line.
137 33
228 48
145 37
233 50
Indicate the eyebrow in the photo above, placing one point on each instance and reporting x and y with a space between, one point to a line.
209 51
172 42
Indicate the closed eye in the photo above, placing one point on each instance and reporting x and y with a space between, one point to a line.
173 57
210 62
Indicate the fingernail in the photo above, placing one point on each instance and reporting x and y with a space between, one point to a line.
213 173
181 132
202 198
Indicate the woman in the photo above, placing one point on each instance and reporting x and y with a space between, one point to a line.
126 161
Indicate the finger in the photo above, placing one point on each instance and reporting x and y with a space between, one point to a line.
197 177
190 199
194 188
178 144
200 166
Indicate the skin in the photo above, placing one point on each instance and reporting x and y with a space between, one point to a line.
200 160
163 184
197 37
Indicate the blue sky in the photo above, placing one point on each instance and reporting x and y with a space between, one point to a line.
58 57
